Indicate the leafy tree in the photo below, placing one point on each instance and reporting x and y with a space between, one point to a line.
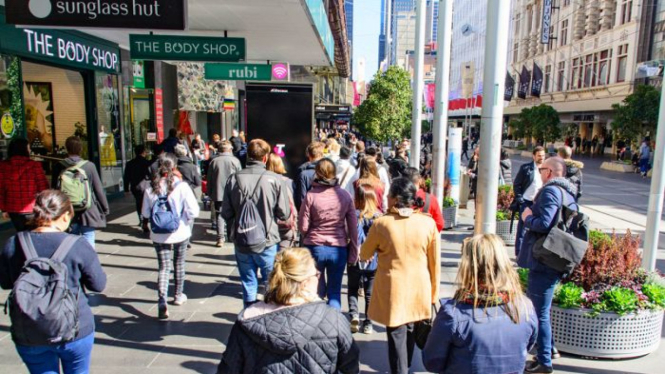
637 115
386 113
546 122
540 122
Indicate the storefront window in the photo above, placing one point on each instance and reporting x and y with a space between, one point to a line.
110 133
11 115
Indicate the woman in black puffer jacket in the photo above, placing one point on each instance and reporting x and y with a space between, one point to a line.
293 330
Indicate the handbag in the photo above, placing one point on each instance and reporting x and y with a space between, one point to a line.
421 329
564 247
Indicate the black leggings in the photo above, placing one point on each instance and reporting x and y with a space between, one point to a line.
355 276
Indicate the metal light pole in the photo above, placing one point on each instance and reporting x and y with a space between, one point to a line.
418 84
656 195
496 45
444 41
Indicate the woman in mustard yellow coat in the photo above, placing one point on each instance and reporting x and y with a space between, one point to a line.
407 279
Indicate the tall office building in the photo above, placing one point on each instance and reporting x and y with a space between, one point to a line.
382 34
348 9
404 27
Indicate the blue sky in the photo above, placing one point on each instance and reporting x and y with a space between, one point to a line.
366 25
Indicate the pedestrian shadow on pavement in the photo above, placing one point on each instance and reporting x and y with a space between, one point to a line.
126 229
123 243
588 370
201 367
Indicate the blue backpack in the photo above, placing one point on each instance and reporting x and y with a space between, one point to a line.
364 224
163 218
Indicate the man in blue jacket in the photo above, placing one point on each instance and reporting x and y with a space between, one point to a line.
538 221
306 173
526 185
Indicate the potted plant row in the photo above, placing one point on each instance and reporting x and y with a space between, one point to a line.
609 307
505 228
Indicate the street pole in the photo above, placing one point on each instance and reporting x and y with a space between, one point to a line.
439 133
389 32
656 195
496 45
418 84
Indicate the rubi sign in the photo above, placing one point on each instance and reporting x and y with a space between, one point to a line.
128 14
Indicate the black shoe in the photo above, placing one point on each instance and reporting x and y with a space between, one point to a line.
555 354
536 367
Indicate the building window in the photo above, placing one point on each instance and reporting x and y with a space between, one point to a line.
561 76
550 44
518 21
588 71
626 11
564 33
604 64
622 61
575 81
516 49
548 77
566 2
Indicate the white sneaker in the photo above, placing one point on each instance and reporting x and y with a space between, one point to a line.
355 324
180 299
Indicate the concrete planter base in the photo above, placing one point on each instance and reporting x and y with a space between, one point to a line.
527 154
449 217
607 335
619 167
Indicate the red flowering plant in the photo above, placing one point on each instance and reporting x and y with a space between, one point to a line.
610 279
504 200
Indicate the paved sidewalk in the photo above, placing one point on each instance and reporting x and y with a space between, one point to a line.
130 339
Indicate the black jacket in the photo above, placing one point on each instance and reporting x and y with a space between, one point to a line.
397 167
303 183
574 175
523 180
136 171
95 216
189 172
237 144
309 339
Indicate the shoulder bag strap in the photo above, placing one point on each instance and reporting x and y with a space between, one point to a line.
256 188
346 174
427 203
64 248
26 245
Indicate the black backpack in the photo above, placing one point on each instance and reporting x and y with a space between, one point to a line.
250 233
42 308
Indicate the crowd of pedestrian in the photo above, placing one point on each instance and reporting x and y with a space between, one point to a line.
353 208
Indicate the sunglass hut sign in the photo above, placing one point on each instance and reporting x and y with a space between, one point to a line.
135 14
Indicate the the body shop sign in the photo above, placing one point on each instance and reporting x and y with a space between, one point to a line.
126 14
72 49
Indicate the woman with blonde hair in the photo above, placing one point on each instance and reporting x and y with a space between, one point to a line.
368 173
287 229
291 327
489 325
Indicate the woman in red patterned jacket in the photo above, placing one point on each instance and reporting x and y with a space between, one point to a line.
21 179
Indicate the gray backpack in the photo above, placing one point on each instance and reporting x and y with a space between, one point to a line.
250 232
42 308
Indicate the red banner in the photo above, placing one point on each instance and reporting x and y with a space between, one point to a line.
159 114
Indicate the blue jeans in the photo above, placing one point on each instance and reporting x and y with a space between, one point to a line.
86 231
519 235
331 262
46 359
540 290
644 165
249 265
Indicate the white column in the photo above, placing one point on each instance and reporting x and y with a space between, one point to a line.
418 84
656 195
496 45
444 42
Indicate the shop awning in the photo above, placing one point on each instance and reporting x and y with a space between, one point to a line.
294 31
595 105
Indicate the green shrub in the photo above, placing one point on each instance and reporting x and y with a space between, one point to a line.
524 277
568 296
620 300
598 238
655 293
502 216
448 202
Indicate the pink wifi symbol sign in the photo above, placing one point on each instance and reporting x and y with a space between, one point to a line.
280 71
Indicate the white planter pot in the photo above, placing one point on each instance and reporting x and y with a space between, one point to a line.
504 232
449 217
607 335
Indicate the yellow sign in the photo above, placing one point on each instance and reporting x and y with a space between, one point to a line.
7 125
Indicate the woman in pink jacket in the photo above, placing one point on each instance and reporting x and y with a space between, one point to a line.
329 229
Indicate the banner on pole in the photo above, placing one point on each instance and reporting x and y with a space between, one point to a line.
525 80
510 88
468 75
547 22
537 82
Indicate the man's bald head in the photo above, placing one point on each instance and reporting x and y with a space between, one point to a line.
553 167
